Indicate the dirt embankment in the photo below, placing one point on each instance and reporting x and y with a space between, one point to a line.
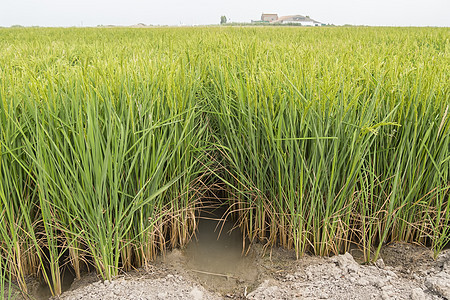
406 272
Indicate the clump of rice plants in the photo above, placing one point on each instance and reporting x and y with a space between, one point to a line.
323 137
329 148
101 164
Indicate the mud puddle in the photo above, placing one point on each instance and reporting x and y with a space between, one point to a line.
216 247
215 257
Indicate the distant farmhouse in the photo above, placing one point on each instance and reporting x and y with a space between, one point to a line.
295 19
269 17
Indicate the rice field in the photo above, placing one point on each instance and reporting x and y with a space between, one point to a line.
320 138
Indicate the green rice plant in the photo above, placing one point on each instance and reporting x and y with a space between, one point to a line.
321 164
111 165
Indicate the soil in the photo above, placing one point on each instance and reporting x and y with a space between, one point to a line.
404 272
215 268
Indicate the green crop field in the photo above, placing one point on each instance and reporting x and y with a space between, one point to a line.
321 138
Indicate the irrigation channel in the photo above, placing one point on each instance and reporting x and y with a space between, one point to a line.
217 247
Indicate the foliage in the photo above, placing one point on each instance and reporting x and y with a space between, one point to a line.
223 20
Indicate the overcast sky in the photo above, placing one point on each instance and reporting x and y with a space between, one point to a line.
190 12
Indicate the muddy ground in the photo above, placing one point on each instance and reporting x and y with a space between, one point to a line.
404 272
214 268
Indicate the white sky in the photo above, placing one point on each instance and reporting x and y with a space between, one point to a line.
189 12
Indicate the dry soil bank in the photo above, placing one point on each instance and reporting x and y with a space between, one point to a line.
406 272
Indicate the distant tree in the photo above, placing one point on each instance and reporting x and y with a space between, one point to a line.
223 20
